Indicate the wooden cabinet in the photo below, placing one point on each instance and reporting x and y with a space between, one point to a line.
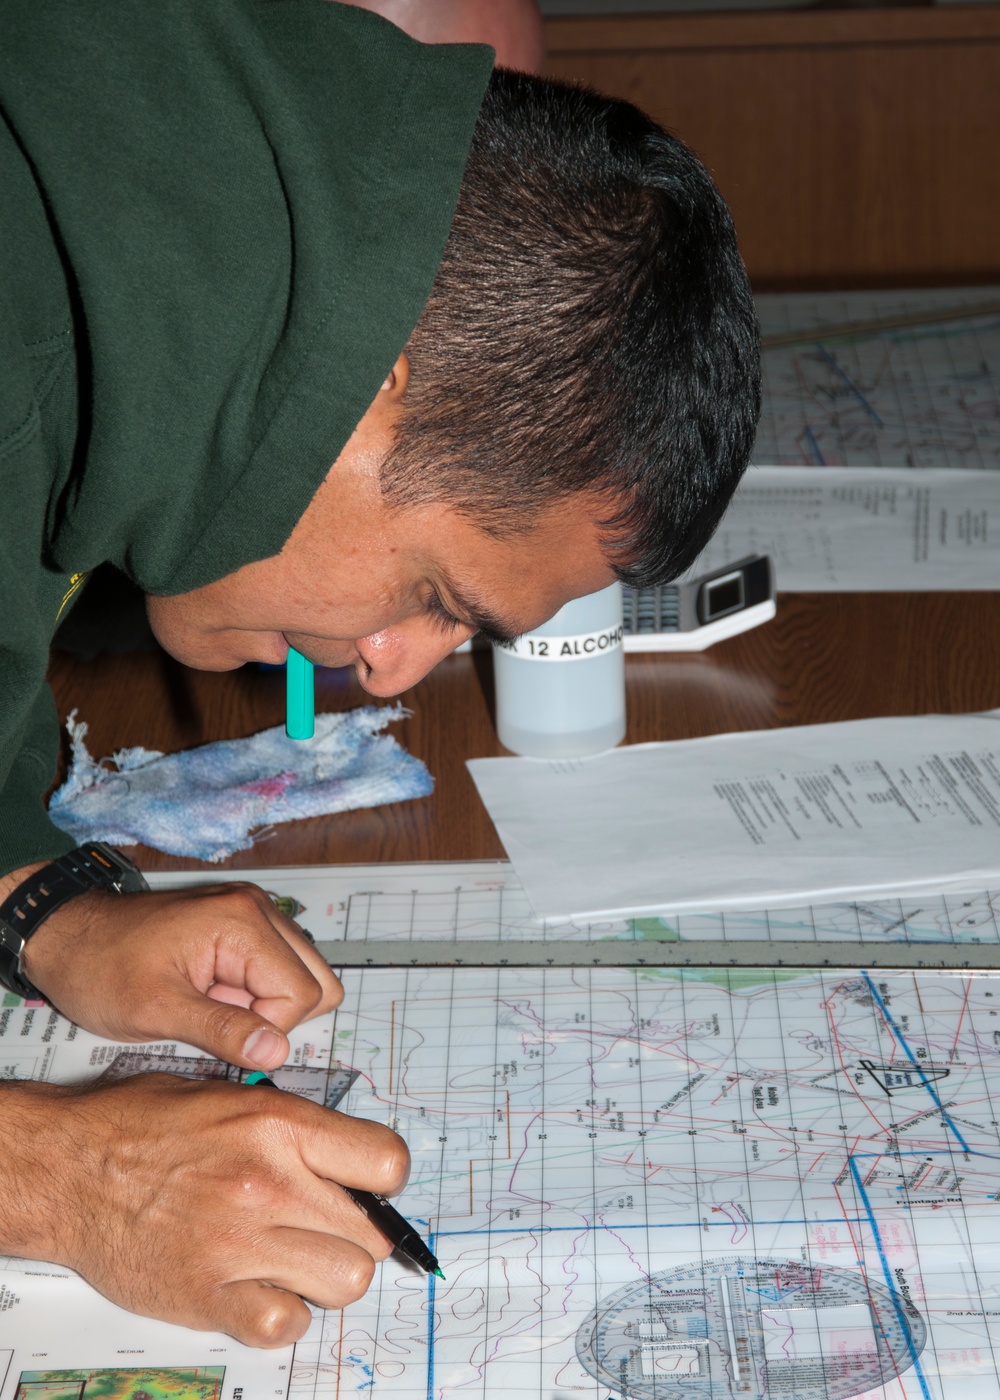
856 147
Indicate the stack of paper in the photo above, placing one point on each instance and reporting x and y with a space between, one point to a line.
767 818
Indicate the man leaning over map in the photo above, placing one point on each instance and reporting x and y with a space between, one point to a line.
331 339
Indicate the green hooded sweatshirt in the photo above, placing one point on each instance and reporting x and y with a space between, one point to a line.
219 223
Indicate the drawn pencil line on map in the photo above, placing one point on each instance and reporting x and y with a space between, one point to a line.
879 324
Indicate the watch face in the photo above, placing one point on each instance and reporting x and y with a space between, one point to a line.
104 866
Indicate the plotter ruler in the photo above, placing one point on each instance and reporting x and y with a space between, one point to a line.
957 957
475 914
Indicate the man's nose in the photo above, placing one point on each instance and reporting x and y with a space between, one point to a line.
393 660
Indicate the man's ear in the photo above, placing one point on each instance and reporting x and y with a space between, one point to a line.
395 382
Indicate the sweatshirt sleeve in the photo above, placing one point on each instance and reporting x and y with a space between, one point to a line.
28 767
32 598
251 198
29 727
37 429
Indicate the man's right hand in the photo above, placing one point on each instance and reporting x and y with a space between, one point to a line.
207 1204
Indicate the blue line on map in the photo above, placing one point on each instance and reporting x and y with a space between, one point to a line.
555 1229
431 1284
889 1282
915 1063
850 384
817 450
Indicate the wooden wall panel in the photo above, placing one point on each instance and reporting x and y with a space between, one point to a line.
855 147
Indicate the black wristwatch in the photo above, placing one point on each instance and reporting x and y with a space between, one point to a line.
92 866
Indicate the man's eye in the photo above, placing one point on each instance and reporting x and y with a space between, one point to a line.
439 614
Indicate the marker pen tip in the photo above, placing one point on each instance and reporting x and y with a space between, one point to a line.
438 1274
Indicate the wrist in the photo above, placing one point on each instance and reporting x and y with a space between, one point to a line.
90 866
10 882
36 1204
51 946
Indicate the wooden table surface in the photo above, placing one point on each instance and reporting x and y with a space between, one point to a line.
825 657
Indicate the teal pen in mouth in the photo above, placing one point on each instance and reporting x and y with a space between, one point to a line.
300 700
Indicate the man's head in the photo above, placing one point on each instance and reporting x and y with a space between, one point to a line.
577 402
590 329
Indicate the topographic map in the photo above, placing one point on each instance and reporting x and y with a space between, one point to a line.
641 1184
922 392
679 1184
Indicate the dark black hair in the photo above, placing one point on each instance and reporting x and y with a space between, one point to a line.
590 329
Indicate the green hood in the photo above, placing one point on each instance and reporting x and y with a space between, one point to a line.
219 223
251 198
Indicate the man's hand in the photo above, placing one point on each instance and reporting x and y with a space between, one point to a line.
206 1204
216 966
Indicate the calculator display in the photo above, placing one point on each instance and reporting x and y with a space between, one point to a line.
722 596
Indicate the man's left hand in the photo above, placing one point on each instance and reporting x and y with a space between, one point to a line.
216 966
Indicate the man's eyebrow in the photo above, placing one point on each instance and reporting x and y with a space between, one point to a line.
479 614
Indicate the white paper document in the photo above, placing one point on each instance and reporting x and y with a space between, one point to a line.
768 818
871 529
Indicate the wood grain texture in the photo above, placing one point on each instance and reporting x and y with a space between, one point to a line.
854 146
771 29
824 658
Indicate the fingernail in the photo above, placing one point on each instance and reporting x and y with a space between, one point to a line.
263 1047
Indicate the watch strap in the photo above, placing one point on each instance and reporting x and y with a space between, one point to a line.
90 866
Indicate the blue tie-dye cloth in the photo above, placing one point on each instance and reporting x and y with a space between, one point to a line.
205 802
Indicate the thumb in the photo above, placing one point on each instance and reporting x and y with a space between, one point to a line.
232 1033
